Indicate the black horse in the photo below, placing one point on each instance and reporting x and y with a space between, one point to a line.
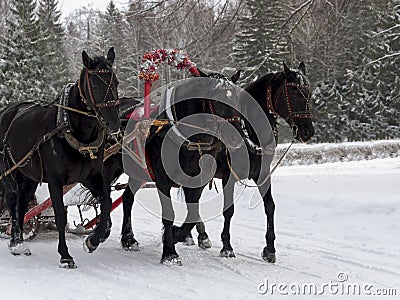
286 94
114 168
185 147
61 143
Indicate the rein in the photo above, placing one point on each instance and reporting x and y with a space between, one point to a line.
267 177
85 113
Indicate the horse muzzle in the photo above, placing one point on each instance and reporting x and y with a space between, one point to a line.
303 133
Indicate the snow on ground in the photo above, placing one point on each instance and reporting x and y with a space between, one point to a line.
334 218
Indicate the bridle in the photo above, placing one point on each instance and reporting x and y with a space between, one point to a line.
223 120
93 104
292 114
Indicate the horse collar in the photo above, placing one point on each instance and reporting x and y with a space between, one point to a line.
62 115
63 122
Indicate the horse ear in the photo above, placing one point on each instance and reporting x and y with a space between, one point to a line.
202 74
111 55
87 61
302 68
286 70
235 77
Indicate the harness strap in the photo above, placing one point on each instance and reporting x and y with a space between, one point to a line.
83 148
28 155
270 106
124 112
85 113
110 151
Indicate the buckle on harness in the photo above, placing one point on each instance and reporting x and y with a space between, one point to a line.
91 150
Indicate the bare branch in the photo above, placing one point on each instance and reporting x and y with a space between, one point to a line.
383 57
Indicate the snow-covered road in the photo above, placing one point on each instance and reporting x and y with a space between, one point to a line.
331 219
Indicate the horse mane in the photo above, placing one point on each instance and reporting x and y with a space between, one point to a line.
264 80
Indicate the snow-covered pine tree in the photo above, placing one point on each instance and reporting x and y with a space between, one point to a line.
113 34
260 42
79 36
129 84
140 27
51 49
374 93
4 15
332 58
222 38
19 54
74 45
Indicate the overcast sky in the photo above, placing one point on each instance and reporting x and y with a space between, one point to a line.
68 6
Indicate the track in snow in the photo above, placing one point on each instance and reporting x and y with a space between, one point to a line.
331 218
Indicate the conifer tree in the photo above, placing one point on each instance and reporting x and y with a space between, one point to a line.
259 43
19 56
51 49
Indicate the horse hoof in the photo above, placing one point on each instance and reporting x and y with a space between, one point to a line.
87 245
268 256
171 260
227 253
18 249
131 247
205 244
189 241
67 263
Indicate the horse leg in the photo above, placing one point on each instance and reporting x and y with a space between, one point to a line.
268 253
98 188
228 187
169 256
189 241
60 213
183 233
128 241
26 190
11 197
204 241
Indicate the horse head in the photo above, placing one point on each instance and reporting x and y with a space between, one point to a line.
289 97
98 89
213 97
